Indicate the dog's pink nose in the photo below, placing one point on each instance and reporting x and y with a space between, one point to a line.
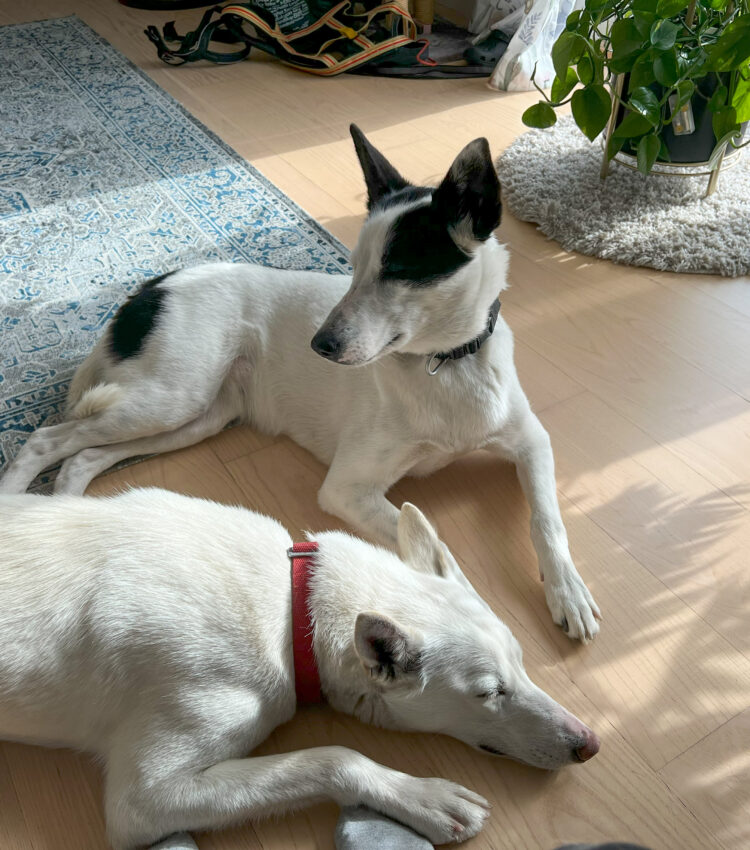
591 746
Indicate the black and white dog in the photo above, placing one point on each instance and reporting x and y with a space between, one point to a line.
199 348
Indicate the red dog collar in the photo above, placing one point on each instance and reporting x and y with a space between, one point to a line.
306 676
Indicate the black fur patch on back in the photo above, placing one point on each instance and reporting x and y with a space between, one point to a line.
136 318
420 250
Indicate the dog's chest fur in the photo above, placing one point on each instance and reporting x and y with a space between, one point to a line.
461 408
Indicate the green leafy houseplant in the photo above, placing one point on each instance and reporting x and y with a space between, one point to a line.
669 53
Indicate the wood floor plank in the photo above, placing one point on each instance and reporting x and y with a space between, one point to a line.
730 291
581 327
283 480
543 382
14 831
59 808
711 334
689 534
237 441
712 779
195 471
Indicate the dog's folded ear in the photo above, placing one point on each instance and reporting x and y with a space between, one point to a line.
421 548
468 199
380 176
386 651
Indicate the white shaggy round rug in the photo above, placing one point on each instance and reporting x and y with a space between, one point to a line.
551 177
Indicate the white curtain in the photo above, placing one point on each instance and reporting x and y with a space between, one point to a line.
535 25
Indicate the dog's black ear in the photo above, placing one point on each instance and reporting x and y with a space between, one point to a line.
387 652
380 176
468 199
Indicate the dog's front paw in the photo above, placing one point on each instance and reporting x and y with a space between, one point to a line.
442 811
571 604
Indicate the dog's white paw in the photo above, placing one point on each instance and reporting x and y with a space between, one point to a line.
442 811
571 604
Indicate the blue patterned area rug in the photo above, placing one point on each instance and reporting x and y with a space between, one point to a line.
106 181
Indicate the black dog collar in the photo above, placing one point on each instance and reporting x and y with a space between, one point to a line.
470 347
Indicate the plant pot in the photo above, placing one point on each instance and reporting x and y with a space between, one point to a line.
688 148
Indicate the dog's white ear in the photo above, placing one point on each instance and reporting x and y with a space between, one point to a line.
380 176
386 651
421 548
469 196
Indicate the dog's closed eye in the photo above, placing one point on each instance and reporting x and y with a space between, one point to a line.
499 691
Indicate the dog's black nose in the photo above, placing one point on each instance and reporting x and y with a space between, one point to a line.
326 344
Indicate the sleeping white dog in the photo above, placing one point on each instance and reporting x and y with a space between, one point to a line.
199 348
157 631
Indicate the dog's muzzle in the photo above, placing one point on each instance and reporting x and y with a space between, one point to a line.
326 345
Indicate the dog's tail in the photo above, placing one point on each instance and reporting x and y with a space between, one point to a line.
88 392
94 400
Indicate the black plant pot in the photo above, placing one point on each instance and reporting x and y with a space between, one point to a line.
685 148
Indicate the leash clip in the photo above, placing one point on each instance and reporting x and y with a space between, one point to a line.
428 364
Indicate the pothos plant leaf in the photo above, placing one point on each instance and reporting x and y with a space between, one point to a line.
645 102
585 69
540 115
573 20
632 126
591 108
642 73
664 34
718 98
724 121
741 100
685 91
562 88
731 50
668 8
643 24
566 51
666 67
625 39
648 150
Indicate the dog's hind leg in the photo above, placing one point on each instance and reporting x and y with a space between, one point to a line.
116 416
78 471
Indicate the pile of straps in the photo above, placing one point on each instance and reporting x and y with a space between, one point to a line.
357 37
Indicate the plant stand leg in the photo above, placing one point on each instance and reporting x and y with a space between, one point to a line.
616 93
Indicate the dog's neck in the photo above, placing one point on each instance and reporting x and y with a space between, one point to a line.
351 576
468 348
467 321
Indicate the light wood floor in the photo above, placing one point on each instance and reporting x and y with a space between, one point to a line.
643 380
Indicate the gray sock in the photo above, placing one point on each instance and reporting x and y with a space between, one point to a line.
360 828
